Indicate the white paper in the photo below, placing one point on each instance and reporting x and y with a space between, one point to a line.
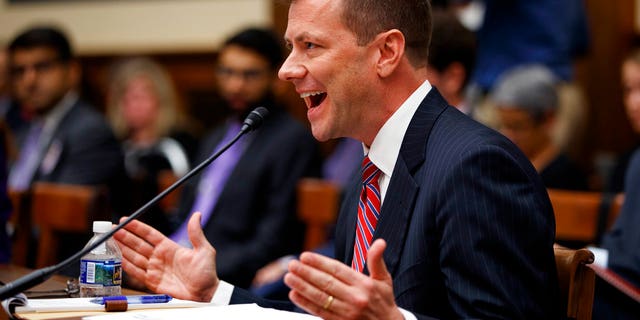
235 311
85 304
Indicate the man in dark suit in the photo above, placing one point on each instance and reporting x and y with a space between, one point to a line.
248 195
465 228
620 252
68 141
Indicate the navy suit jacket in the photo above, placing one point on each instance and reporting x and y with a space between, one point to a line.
468 223
623 241
83 150
254 220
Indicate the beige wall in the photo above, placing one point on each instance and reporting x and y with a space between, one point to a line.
138 26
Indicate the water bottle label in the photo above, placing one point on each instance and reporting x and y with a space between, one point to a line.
107 273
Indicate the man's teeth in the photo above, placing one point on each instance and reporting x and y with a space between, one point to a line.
309 94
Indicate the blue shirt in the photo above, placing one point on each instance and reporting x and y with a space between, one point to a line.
550 32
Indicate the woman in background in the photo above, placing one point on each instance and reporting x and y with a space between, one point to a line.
145 113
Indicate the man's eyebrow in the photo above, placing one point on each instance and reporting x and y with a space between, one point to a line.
302 36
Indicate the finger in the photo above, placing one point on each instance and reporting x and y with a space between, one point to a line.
375 261
144 232
133 256
128 240
196 235
314 284
311 306
133 270
296 280
333 267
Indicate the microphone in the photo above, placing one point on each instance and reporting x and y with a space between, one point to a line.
254 119
251 123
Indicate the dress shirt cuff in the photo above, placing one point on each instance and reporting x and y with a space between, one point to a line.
222 296
407 315
601 256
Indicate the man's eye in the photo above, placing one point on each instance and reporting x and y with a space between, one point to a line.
309 45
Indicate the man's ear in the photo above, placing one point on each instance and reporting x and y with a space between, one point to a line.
74 73
390 45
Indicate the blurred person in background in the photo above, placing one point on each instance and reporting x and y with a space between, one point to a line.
5 88
5 203
15 119
68 141
619 251
630 74
247 197
144 110
511 33
451 58
526 103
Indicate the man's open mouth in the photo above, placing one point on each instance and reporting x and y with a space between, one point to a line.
313 99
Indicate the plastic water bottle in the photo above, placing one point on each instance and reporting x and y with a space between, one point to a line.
101 269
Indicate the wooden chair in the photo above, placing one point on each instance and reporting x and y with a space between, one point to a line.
578 214
318 202
20 226
57 209
577 281
169 203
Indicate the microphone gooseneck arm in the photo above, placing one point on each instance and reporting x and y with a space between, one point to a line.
252 122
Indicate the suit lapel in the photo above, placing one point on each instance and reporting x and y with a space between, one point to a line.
399 202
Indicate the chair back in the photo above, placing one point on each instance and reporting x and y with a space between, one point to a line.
577 281
19 226
318 202
582 216
59 208
170 202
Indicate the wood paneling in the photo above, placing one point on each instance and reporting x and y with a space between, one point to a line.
612 29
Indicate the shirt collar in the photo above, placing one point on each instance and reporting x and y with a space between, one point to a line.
53 118
386 145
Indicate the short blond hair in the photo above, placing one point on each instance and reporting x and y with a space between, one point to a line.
170 107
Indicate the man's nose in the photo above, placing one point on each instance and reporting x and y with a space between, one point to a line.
291 69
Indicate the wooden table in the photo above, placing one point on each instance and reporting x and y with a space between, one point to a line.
9 273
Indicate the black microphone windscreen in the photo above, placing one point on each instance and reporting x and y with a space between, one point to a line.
255 118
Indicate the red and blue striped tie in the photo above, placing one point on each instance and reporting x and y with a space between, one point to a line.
368 213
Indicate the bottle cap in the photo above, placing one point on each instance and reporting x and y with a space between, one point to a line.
101 226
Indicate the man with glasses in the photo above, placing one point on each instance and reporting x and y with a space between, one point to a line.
68 141
247 196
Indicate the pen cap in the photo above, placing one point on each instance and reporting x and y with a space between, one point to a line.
101 226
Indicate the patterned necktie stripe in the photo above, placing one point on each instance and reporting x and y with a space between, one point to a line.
368 213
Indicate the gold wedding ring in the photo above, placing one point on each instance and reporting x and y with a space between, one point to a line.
328 303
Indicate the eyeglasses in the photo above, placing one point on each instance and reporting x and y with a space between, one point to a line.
246 75
39 67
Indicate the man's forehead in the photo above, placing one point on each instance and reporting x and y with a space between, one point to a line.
305 16
313 9
33 53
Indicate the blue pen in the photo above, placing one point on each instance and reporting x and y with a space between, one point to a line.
142 299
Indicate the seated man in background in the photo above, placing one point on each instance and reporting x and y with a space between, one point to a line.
248 196
526 104
5 203
68 141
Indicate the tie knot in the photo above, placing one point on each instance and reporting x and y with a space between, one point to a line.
370 173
